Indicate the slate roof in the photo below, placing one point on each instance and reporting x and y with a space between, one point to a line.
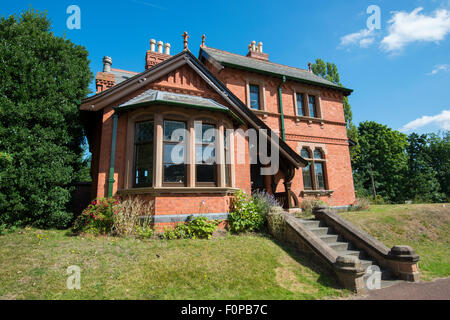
173 98
122 75
238 61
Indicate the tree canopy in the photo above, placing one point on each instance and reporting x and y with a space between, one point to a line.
43 79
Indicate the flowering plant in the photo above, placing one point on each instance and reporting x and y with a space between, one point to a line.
98 217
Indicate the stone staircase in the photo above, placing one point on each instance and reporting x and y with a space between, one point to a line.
343 247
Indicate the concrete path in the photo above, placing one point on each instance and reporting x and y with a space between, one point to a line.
435 290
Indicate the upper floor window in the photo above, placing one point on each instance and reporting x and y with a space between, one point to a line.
312 106
174 161
255 102
300 105
143 154
205 154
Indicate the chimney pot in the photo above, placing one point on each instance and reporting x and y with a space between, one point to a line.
107 62
260 45
152 45
160 46
167 46
253 44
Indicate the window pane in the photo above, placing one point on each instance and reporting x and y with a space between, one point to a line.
318 154
144 132
319 176
205 154
206 173
144 164
254 97
174 173
312 106
300 108
204 132
173 153
305 153
307 181
174 131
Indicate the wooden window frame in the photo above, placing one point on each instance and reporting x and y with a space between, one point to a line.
135 185
174 184
214 183
312 162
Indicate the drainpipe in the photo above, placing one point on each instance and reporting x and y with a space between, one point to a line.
281 109
112 158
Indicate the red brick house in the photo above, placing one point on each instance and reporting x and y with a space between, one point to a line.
131 121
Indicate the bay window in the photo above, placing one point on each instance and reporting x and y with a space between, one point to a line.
143 153
174 157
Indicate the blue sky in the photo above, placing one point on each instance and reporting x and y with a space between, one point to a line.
400 73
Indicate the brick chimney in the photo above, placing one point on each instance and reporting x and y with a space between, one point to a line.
256 51
105 80
156 55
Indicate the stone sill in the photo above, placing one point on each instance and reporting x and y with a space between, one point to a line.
306 193
156 191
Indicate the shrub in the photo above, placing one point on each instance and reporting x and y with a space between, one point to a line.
202 228
309 204
360 204
276 223
378 200
263 202
244 215
128 211
98 217
144 231
197 228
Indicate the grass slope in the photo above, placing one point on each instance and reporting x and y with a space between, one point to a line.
425 227
232 267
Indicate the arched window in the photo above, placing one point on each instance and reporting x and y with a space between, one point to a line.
314 177
319 171
307 173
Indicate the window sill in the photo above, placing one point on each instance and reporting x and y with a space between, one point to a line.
306 193
180 190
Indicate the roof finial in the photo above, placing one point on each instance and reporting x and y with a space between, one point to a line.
203 40
185 36
309 67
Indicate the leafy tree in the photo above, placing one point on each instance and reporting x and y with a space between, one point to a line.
43 79
382 156
421 183
329 71
439 153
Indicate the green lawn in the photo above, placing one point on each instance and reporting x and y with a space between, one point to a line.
231 267
425 227
33 262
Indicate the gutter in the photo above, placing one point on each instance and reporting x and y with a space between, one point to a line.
112 158
283 135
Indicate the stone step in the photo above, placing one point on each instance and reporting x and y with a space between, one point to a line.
329 238
339 246
310 223
320 231
366 263
355 253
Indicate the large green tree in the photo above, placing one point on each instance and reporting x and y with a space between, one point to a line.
382 157
421 182
439 153
43 79
330 72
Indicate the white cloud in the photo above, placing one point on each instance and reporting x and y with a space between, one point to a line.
364 37
441 120
410 27
439 67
